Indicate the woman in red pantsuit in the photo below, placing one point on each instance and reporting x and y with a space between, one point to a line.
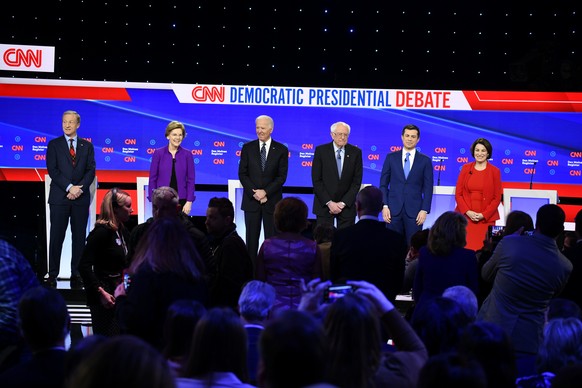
478 193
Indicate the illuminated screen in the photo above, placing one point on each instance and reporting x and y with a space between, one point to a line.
126 122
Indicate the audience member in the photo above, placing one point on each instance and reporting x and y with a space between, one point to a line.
288 256
293 352
232 262
368 250
568 377
356 357
166 268
80 351
573 288
527 272
439 324
517 222
323 236
218 355
444 262
254 305
165 203
452 371
45 324
563 308
488 344
418 240
561 346
465 298
179 324
122 361
104 259
16 277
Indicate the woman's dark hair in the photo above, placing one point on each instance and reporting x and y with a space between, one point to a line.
291 215
353 333
181 319
517 219
448 231
219 345
485 143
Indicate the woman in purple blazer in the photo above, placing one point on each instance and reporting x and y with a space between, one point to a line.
174 166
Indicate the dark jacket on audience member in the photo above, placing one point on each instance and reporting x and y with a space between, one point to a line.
143 310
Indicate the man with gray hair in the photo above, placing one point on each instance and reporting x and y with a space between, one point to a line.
255 303
165 204
336 174
466 298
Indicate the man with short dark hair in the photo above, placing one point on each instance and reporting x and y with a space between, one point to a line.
527 272
231 260
368 250
573 289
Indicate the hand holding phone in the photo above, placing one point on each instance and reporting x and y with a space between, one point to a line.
126 280
337 291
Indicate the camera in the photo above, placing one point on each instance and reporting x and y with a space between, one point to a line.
495 232
337 291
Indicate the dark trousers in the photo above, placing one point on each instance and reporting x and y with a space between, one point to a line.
60 216
253 232
343 220
404 225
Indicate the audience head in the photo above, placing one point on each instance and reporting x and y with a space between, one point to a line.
180 321
452 371
79 353
168 248
516 220
256 301
369 201
291 215
563 308
490 345
465 298
438 323
44 318
448 231
418 240
219 216
578 223
561 345
353 333
122 361
293 351
550 220
165 202
323 232
219 345
115 208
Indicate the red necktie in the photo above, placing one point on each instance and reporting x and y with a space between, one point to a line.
72 151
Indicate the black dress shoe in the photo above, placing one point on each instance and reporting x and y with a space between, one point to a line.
51 282
76 283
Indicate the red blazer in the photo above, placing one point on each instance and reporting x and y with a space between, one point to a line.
491 192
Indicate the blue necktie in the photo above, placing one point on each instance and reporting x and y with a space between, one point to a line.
407 165
263 157
339 162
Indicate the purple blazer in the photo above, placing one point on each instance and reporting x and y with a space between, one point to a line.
161 172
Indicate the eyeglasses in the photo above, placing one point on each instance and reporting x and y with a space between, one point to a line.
339 134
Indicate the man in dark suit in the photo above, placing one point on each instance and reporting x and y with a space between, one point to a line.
336 174
407 183
70 162
262 172
368 250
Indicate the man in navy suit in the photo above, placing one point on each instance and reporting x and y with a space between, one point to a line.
70 162
336 174
407 183
262 172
